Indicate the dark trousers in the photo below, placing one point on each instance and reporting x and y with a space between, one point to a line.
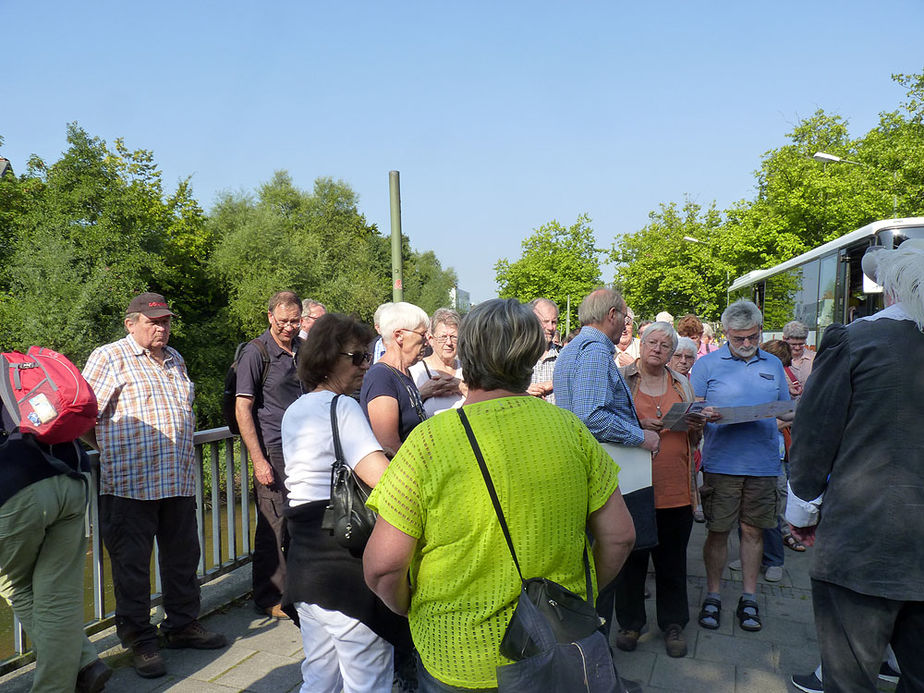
128 528
670 564
853 631
270 537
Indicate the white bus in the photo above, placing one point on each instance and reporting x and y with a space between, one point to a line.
824 285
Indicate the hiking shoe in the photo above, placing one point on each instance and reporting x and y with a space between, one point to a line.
808 683
627 640
93 677
773 573
674 642
888 674
194 636
148 661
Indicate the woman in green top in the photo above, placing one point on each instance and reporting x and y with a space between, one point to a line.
437 552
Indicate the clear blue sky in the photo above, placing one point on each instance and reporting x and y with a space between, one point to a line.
500 116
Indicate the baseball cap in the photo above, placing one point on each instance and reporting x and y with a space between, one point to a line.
150 305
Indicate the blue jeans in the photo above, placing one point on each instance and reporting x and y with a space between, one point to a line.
427 683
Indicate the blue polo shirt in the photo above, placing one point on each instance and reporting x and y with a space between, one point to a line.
748 449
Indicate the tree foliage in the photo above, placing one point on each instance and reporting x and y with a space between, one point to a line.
557 262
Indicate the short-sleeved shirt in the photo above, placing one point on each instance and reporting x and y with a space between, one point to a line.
587 382
382 381
275 395
434 405
146 424
545 369
747 449
549 473
308 443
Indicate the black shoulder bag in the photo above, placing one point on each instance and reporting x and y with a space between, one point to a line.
346 515
554 635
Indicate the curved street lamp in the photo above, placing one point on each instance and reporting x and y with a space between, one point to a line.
826 158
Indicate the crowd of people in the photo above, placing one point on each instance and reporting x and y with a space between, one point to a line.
610 443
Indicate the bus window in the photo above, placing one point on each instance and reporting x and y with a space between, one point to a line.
827 280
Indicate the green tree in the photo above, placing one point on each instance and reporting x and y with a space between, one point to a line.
426 283
557 262
658 270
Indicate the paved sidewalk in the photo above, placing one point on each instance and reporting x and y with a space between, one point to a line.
265 655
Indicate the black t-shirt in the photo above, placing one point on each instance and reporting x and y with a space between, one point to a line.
274 396
382 381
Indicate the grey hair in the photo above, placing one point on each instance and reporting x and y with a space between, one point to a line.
707 330
795 330
377 316
665 328
598 303
543 301
310 303
444 316
499 343
686 344
741 315
132 318
901 274
401 316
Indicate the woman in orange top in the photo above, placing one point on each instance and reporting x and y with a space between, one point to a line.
655 389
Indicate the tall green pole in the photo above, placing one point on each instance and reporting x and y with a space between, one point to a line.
397 276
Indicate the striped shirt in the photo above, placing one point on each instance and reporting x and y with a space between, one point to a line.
588 383
145 424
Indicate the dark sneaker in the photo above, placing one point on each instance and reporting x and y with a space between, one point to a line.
808 683
148 661
674 642
888 674
196 637
93 677
627 640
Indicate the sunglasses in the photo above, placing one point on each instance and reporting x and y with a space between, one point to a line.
358 357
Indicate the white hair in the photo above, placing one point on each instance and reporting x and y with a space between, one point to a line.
401 316
685 344
664 328
901 274
377 316
741 315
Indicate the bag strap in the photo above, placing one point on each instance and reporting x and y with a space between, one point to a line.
413 395
500 513
338 449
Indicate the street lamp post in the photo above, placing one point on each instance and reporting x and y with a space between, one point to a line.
826 158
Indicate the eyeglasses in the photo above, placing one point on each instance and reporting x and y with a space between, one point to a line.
359 357
752 338
442 339
657 344
422 335
282 324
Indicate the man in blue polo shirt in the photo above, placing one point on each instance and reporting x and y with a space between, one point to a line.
741 461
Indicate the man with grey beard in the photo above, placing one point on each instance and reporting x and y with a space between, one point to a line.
741 461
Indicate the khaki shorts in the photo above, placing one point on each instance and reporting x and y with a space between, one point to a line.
728 498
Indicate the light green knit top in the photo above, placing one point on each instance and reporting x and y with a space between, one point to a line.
550 474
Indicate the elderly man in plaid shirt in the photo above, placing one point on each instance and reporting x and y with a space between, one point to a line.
144 433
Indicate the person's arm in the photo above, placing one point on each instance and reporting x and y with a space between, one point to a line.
385 565
384 417
821 418
614 536
590 395
243 411
371 467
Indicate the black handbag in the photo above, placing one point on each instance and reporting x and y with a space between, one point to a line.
346 515
554 635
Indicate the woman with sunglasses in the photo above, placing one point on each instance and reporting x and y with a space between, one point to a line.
347 633
389 396
442 367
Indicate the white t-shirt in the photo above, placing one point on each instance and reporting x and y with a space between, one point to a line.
308 443
434 405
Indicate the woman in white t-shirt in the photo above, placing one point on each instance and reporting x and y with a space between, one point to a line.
442 365
347 633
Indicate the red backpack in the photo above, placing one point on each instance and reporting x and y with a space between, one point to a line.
47 395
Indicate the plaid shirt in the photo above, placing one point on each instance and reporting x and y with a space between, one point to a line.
146 424
544 368
588 383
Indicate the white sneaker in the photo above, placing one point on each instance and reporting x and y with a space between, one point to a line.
735 565
774 573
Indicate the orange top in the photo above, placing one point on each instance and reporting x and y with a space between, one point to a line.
670 469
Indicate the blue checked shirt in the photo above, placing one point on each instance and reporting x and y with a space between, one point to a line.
587 382
145 425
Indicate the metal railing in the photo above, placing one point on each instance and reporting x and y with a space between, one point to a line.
229 500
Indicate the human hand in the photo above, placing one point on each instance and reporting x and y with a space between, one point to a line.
695 422
624 359
795 388
651 424
263 472
652 442
711 414
804 534
435 386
